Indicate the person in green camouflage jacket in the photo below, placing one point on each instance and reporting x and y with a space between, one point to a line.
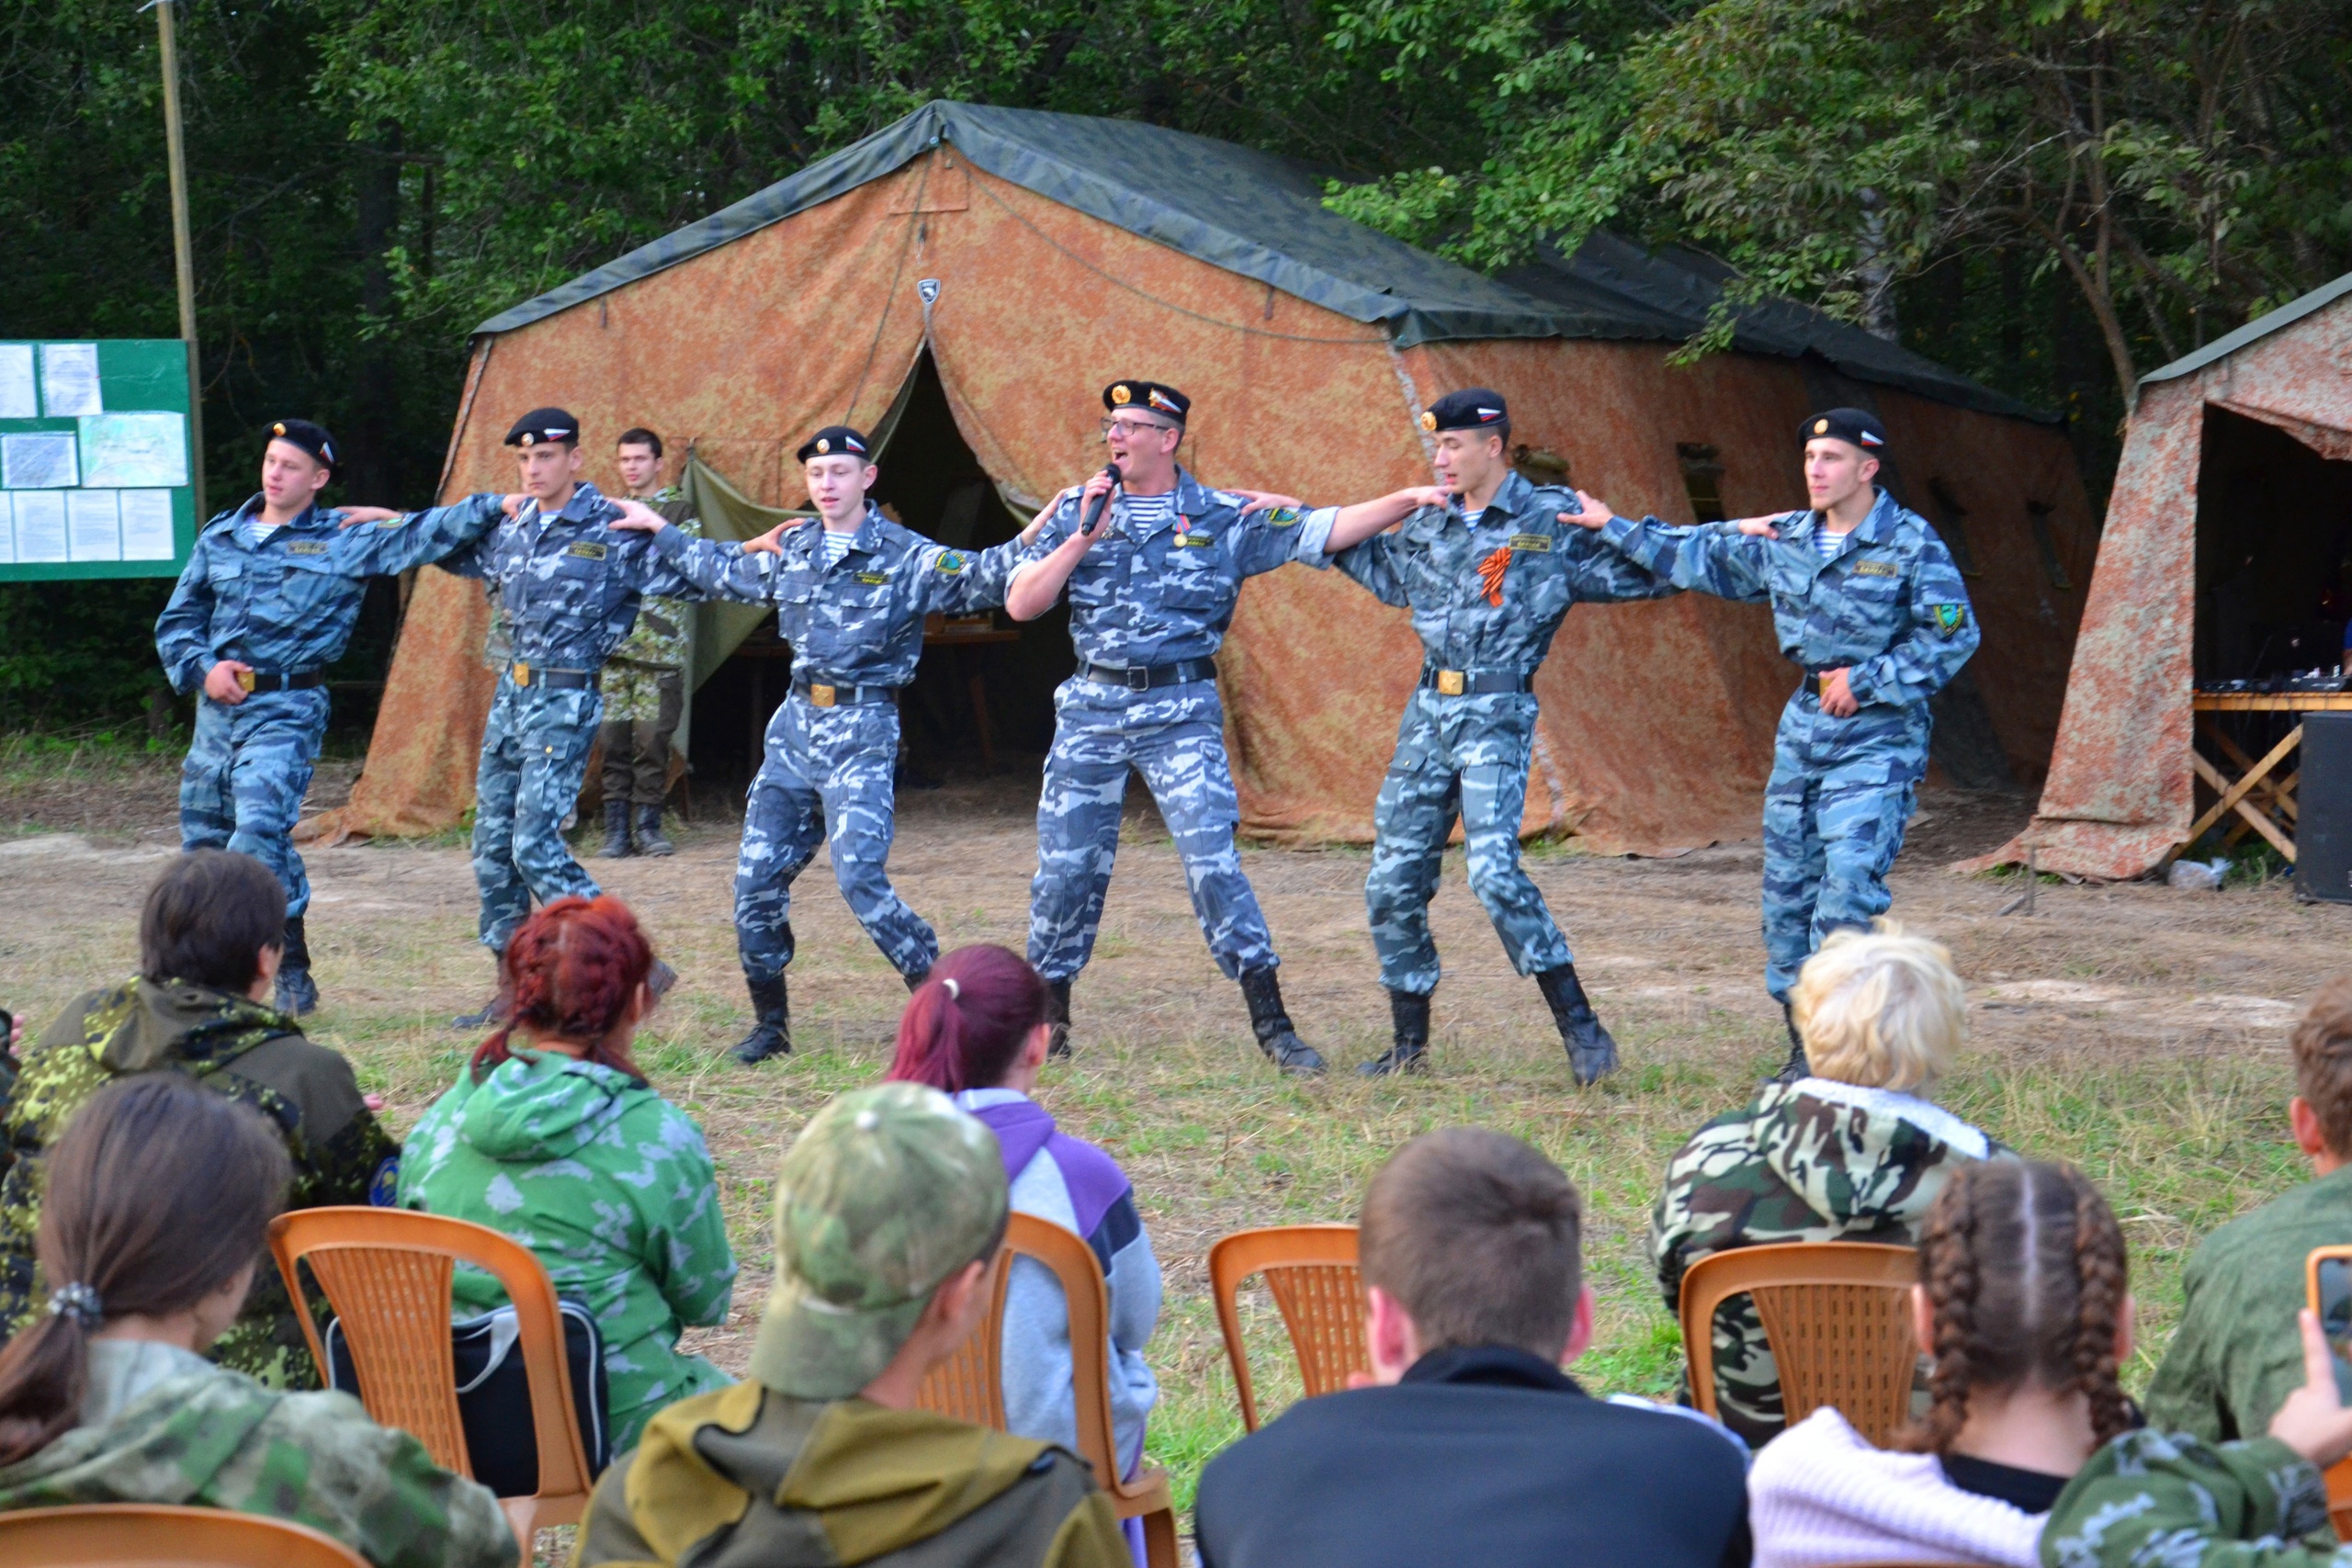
161 1195
209 942
645 680
1852 1153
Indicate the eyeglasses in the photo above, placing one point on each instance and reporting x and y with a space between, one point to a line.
1129 428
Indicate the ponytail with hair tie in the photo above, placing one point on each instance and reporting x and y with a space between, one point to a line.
964 1027
78 1304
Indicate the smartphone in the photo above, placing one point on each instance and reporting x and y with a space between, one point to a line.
2332 1299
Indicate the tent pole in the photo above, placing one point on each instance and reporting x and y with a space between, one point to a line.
182 252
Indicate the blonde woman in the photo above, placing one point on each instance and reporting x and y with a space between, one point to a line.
1854 1151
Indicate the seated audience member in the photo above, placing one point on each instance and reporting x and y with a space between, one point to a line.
159 1200
2157 1499
559 1141
2021 1303
887 1210
978 1031
1852 1153
2235 1358
1469 1443
210 940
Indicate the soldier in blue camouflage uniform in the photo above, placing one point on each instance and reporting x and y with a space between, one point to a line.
1489 572
1151 589
850 597
1866 598
569 585
267 601
645 681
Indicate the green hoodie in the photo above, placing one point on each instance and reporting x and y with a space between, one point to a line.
612 1186
161 1425
750 1478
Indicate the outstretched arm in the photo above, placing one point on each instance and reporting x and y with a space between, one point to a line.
377 542
1730 563
1354 525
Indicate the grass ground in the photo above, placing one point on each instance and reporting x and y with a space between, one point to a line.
2133 1029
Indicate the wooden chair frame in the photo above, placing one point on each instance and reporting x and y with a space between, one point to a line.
1785 1280
969 1385
165 1534
1311 1272
2339 1474
387 1273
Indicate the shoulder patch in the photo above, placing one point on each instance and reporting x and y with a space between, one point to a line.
1280 516
306 547
950 563
587 550
873 578
383 1188
397 520
1868 568
1950 618
1539 543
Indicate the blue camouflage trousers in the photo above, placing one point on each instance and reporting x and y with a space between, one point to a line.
1834 814
827 778
1176 736
533 752
1464 757
248 769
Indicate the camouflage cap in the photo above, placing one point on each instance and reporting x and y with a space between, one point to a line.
887 1192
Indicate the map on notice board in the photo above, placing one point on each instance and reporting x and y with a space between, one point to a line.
96 459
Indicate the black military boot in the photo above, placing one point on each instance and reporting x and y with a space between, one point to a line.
914 981
1592 1055
1797 1067
1409 1013
297 992
1058 1014
617 844
772 1027
493 1012
648 832
1276 1038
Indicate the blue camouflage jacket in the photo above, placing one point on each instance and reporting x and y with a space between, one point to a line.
857 622
568 583
290 603
1167 593
1887 606
1430 563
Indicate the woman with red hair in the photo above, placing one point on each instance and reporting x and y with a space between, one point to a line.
977 1028
558 1140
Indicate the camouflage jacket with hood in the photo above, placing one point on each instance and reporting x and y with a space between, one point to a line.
750 1478
239 1047
1815 1160
161 1425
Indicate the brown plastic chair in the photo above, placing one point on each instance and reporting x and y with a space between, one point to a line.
2339 1474
1311 1272
387 1273
969 1385
1838 1315
163 1535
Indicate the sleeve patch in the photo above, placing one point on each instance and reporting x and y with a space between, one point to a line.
1280 516
383 1188
1950 618
950 563
1541 543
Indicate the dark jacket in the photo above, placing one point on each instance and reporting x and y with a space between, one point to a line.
240 1048
1490 1456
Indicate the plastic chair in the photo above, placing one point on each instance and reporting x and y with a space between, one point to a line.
163 1534
1311 1270
387 1273
1838 1315
2337 1326
969 1385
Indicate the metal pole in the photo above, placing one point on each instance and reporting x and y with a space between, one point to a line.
182 252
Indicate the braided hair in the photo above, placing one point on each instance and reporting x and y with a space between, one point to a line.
571 974
2024 1265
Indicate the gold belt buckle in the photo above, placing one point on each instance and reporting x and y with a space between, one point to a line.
521 674
821 696
244 679
1452 682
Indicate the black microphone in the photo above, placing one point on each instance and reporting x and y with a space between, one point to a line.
1085 523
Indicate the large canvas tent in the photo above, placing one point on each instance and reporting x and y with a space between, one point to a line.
2231 519
967 279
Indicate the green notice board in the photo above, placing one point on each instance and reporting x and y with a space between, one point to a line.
96 459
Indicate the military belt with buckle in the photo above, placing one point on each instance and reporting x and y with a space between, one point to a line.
1475 683
825 695
1150 677
280 680
527 676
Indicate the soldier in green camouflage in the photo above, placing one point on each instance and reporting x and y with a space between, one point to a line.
645 681
195 1009
887 1208
1852 1153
